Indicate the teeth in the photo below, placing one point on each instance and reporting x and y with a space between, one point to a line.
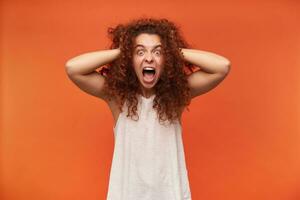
149 68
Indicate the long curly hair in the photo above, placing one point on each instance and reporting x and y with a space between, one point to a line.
172 93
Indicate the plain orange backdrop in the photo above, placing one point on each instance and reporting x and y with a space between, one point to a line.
241 139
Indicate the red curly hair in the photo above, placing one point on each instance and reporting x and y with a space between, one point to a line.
172 93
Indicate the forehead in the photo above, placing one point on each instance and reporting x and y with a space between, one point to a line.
147 39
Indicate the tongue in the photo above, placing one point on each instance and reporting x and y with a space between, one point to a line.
148 77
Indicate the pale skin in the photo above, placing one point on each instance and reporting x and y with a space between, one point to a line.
81 69
147 52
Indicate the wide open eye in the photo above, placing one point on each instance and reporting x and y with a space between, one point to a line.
157 52
140 52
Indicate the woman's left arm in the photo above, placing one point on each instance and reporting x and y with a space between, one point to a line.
214 68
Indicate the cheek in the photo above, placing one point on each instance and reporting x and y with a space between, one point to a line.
137 61
135 66
159 60
134 62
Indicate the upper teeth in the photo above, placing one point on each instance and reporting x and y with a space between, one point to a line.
149 68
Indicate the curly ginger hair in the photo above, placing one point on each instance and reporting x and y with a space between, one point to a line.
172 93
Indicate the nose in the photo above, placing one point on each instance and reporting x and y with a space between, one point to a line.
148 57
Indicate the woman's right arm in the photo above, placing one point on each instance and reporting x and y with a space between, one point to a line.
82 71
88 62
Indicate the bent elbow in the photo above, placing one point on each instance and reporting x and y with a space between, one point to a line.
227 67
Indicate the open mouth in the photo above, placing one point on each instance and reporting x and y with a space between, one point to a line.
149 74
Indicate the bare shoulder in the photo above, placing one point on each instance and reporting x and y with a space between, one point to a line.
93 84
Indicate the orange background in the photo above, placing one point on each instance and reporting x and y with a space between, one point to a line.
241 139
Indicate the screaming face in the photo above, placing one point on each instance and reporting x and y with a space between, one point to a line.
148 61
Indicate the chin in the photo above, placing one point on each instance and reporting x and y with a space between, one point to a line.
148 86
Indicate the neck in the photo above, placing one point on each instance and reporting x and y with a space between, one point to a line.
147 93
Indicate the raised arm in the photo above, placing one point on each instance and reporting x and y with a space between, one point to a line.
214 68
82 71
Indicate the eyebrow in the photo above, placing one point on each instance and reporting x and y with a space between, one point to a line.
140 45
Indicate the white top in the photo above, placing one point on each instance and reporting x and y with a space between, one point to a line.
148 160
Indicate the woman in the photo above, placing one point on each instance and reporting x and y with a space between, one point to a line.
148 81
